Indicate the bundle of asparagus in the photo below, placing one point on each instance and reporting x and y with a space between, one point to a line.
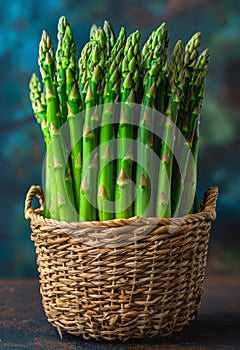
96 181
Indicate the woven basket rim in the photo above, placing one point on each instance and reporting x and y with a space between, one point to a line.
207 213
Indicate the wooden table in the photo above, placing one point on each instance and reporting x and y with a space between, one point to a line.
23 324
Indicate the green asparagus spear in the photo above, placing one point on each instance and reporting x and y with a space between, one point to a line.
95 69
131 67
93 31
61 74
106 164
82 65
110 37
106 185
162 37
39 106
123 196
73 102
176 80
187 186
154 53
190 61
56 149
184 119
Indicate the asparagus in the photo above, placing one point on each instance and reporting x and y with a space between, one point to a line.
46 57
106 185
143 205
88 188
131 67
176 80
190 61
48 71
123 196
106 164
82 65
108 71
199 76
61 74
110 36
39 106
154 52
95 69
69 60
56 149
191 132
73 102
162 37
187 192
93 31
113 70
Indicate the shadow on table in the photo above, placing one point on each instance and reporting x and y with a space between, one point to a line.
219 330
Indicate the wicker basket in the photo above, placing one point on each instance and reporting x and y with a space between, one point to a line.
121 279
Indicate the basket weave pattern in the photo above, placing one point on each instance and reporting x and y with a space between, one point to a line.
121 279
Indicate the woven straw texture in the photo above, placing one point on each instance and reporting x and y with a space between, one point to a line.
121 279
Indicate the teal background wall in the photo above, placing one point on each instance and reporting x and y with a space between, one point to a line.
21 145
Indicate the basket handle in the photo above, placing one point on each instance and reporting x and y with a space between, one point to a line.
32 192
210 200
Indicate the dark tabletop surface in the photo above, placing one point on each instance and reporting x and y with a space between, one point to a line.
23 324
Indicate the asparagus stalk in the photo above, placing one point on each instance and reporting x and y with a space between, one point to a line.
154 52
143 205
56 150
131 67
73 102
45 61
48 71
160 43
199 76
110 37
95 69
113 71
39 106
176 80
93 31
188 185
190 61
69 60
106 185
106 163
82 65
61 74
88 188
123 196
74 107
162 37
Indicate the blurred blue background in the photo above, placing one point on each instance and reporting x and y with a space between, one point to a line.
21 145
